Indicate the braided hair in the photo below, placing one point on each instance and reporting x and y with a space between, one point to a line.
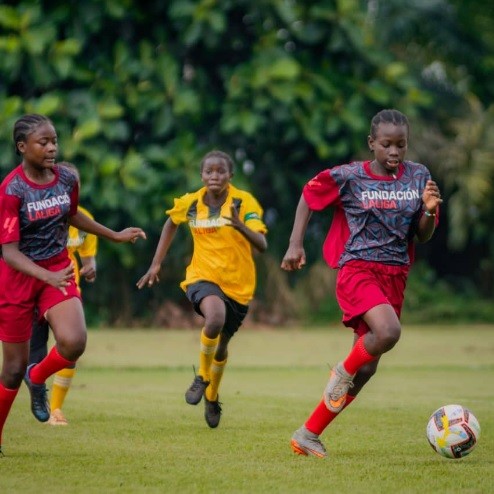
26 125
388 116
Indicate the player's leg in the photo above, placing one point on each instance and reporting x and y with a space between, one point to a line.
213 309
207 302
212 405
16 323
62 381
235 314
384 332
67 321
305 440
368 294
14 362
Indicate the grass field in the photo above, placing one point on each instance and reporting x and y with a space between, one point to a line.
131 431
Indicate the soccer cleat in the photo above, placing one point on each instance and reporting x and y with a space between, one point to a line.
196 390
212 412
307 443
1 452
39 402
337 388
57 418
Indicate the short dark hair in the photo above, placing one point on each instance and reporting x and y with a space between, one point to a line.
26 125
388 116
218 154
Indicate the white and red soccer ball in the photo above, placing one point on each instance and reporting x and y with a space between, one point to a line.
453 431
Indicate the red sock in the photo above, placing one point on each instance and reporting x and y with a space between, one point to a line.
321 417
7 397
357 357
52 363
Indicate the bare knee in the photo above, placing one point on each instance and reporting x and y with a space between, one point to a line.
72 347
13 373
213 324
386 338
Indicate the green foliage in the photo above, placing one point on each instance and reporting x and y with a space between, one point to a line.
432 300
140 91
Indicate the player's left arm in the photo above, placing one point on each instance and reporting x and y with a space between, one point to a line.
86 224
252 214
256 238
431 199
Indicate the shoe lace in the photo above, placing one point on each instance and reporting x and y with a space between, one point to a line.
197 384
214 406
342 386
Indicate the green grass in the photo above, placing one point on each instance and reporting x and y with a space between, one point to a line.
130 430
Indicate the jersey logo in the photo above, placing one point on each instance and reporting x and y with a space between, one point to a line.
9 224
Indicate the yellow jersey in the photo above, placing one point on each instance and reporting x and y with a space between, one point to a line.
85 244
221 255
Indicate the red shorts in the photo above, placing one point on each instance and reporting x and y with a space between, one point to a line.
21 294
362 285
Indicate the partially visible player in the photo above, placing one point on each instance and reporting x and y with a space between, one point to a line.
380 207
38 203
82 248
227 227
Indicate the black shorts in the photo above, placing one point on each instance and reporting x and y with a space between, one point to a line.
235 312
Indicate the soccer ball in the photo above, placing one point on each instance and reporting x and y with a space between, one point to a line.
453 431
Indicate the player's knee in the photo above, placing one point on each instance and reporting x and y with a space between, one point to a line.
388 336
13 374
72 347
214 324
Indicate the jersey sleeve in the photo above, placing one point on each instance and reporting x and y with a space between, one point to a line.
88 248
253 215
9 219
178 213
321 191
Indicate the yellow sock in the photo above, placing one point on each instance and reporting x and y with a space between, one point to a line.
61 385
215 374
206 354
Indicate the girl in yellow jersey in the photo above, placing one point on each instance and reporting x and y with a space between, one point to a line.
82 248
227 227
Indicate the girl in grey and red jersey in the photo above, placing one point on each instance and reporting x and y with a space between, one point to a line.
380 206
38 202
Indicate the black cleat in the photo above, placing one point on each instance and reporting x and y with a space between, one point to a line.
196 390
39 402
212 412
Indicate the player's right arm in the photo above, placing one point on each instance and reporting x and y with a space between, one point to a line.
20 262
166 238
295 254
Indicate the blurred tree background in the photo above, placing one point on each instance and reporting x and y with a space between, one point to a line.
139 91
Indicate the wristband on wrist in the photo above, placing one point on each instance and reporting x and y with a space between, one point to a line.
430 214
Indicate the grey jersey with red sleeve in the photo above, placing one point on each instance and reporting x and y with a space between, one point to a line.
375 217
37 215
